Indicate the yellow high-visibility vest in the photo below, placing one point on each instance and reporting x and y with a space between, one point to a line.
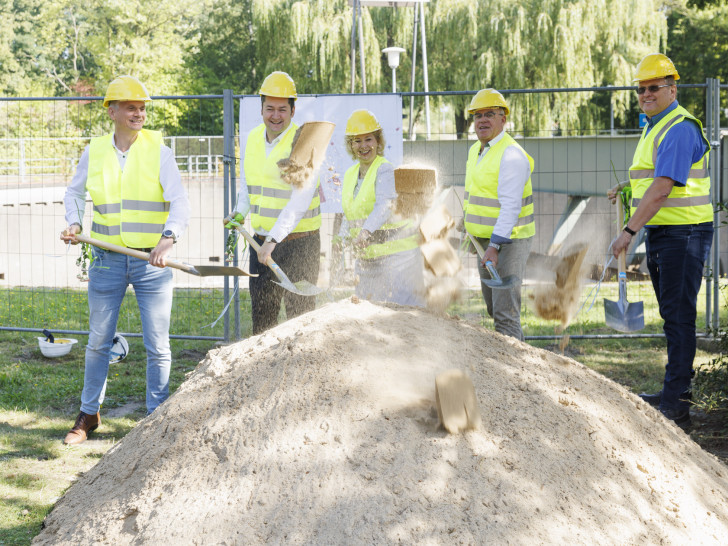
268 193
129 206
391 237
481 206
688 204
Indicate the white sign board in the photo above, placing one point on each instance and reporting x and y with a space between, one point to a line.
336 109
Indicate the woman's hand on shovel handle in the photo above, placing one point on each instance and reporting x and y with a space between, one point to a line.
621 243
158 256
68 235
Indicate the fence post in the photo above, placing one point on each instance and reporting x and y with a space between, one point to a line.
228 158
715 170
21 160
712 130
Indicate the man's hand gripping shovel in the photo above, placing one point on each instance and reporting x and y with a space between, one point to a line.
495 281
302 288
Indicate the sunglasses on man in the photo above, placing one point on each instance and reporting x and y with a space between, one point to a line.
651 88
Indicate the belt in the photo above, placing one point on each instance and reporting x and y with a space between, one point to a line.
291 236
147 250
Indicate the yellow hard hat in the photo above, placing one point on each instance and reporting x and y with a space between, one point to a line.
487 98
362 122
126 88
278 84
655 65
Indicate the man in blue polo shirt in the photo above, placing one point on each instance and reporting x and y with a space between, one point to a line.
671 199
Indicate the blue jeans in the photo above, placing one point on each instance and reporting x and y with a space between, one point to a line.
675 258
109 276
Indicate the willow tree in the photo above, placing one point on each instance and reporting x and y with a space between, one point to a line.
527 44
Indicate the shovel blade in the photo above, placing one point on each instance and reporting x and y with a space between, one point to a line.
624 316
221 271
302 288
504 283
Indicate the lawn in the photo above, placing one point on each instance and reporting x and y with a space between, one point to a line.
39 397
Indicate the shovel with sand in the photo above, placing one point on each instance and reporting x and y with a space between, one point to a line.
302 288
622 315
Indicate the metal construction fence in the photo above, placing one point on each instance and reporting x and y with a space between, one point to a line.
580 146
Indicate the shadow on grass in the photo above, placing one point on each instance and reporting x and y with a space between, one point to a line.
31 515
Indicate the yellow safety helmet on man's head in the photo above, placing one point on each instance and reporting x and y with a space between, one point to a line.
655 65
126 88
487 98
278 84
361 122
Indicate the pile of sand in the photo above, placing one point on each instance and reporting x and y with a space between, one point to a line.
324 430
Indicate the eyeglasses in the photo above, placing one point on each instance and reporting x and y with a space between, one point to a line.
490 114
651 88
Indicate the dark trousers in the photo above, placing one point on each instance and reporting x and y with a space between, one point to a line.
299 259
675 258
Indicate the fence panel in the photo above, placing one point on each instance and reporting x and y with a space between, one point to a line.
42 140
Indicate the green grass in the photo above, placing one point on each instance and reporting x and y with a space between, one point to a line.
39 397
193 311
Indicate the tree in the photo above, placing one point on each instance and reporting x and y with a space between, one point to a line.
526 44
698 45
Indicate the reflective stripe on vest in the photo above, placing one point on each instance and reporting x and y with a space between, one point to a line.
481 206
267 192
391 237
689 204
129 206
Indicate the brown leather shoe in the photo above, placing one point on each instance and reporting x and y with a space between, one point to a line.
85 423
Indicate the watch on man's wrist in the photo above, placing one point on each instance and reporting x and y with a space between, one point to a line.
169 234
494 245
270 239
630 231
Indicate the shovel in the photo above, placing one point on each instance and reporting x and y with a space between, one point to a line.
622 315
495 281
198 270
302 288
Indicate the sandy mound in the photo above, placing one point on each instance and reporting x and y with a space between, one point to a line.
323 430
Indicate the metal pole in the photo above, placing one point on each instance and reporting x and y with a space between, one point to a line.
394 80
611 114
715 177
424 67
412 82
361 52
711 158
227 157
353 48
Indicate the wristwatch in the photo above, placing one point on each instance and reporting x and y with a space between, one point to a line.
494 245
630 231
169 234
270 239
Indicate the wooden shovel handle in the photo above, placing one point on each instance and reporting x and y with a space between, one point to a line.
478 247
252 242
134 253
622 259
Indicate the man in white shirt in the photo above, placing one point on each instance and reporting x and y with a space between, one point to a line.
498 206
286 220
138 202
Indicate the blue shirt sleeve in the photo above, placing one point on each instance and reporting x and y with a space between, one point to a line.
682 146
